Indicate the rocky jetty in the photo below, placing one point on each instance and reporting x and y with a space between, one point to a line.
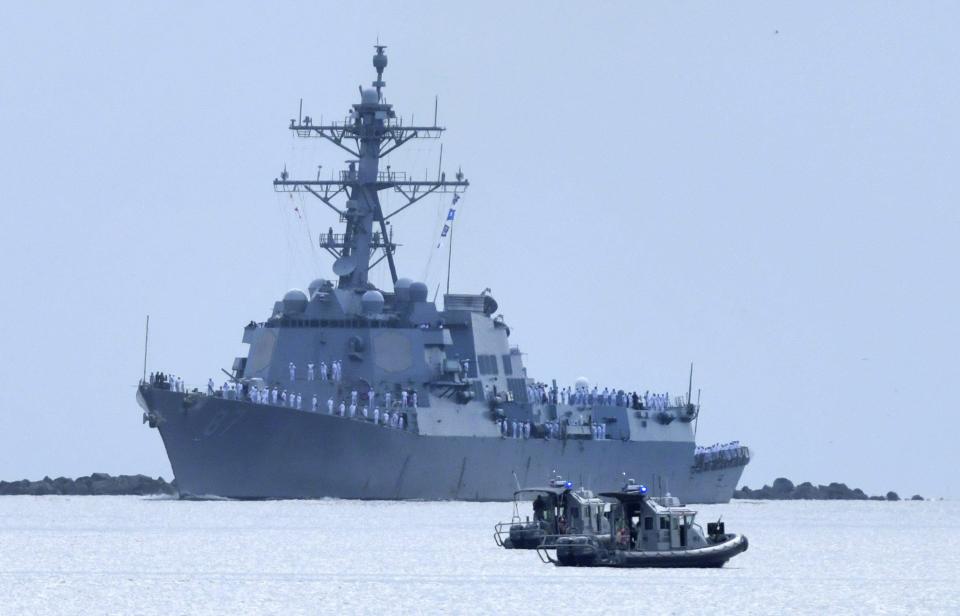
95 484
784 489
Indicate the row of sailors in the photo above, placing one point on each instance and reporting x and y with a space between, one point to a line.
614 397
167 381
511 428
514 428
390 419
717 451
394 419
333 372
273 396
236 391
609 397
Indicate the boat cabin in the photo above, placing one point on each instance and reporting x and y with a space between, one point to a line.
644 523
558 509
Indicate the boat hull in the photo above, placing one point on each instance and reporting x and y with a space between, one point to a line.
237 449
584 551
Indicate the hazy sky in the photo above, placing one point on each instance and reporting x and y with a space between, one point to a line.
767 190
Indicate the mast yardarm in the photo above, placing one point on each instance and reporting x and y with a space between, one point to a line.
370 132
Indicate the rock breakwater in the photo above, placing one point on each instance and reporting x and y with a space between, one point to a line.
784 489
95 484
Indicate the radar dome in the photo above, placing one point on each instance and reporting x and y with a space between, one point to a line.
582 384
294 301
402 288
372 302
369 97
418 292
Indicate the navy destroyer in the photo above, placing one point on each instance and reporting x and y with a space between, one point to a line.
353 391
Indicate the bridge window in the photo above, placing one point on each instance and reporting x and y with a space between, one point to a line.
518 387
507 365
487 364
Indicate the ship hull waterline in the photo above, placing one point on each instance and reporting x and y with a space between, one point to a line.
220 448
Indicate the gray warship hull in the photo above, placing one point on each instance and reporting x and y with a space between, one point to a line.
466 421
237 449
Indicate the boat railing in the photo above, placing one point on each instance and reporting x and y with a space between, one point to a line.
544 553
501 530
552 542
549 542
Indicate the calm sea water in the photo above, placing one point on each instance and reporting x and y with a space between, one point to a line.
131 555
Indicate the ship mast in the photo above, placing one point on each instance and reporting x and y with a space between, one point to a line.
369 133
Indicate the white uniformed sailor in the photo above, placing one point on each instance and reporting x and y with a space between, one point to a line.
293 371
299 400
376 415
330 406
387 398
353 397
414 399
310 371
404 397
313 404
353 410
341 409
323 371
363 411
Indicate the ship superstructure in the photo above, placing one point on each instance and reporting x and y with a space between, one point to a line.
349 390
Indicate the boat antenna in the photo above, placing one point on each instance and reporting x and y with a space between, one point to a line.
436 102
690 384
146 342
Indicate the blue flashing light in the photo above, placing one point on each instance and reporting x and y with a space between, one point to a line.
643 489
568 485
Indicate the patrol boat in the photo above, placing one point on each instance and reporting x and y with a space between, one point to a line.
558 509
415 399
645 531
